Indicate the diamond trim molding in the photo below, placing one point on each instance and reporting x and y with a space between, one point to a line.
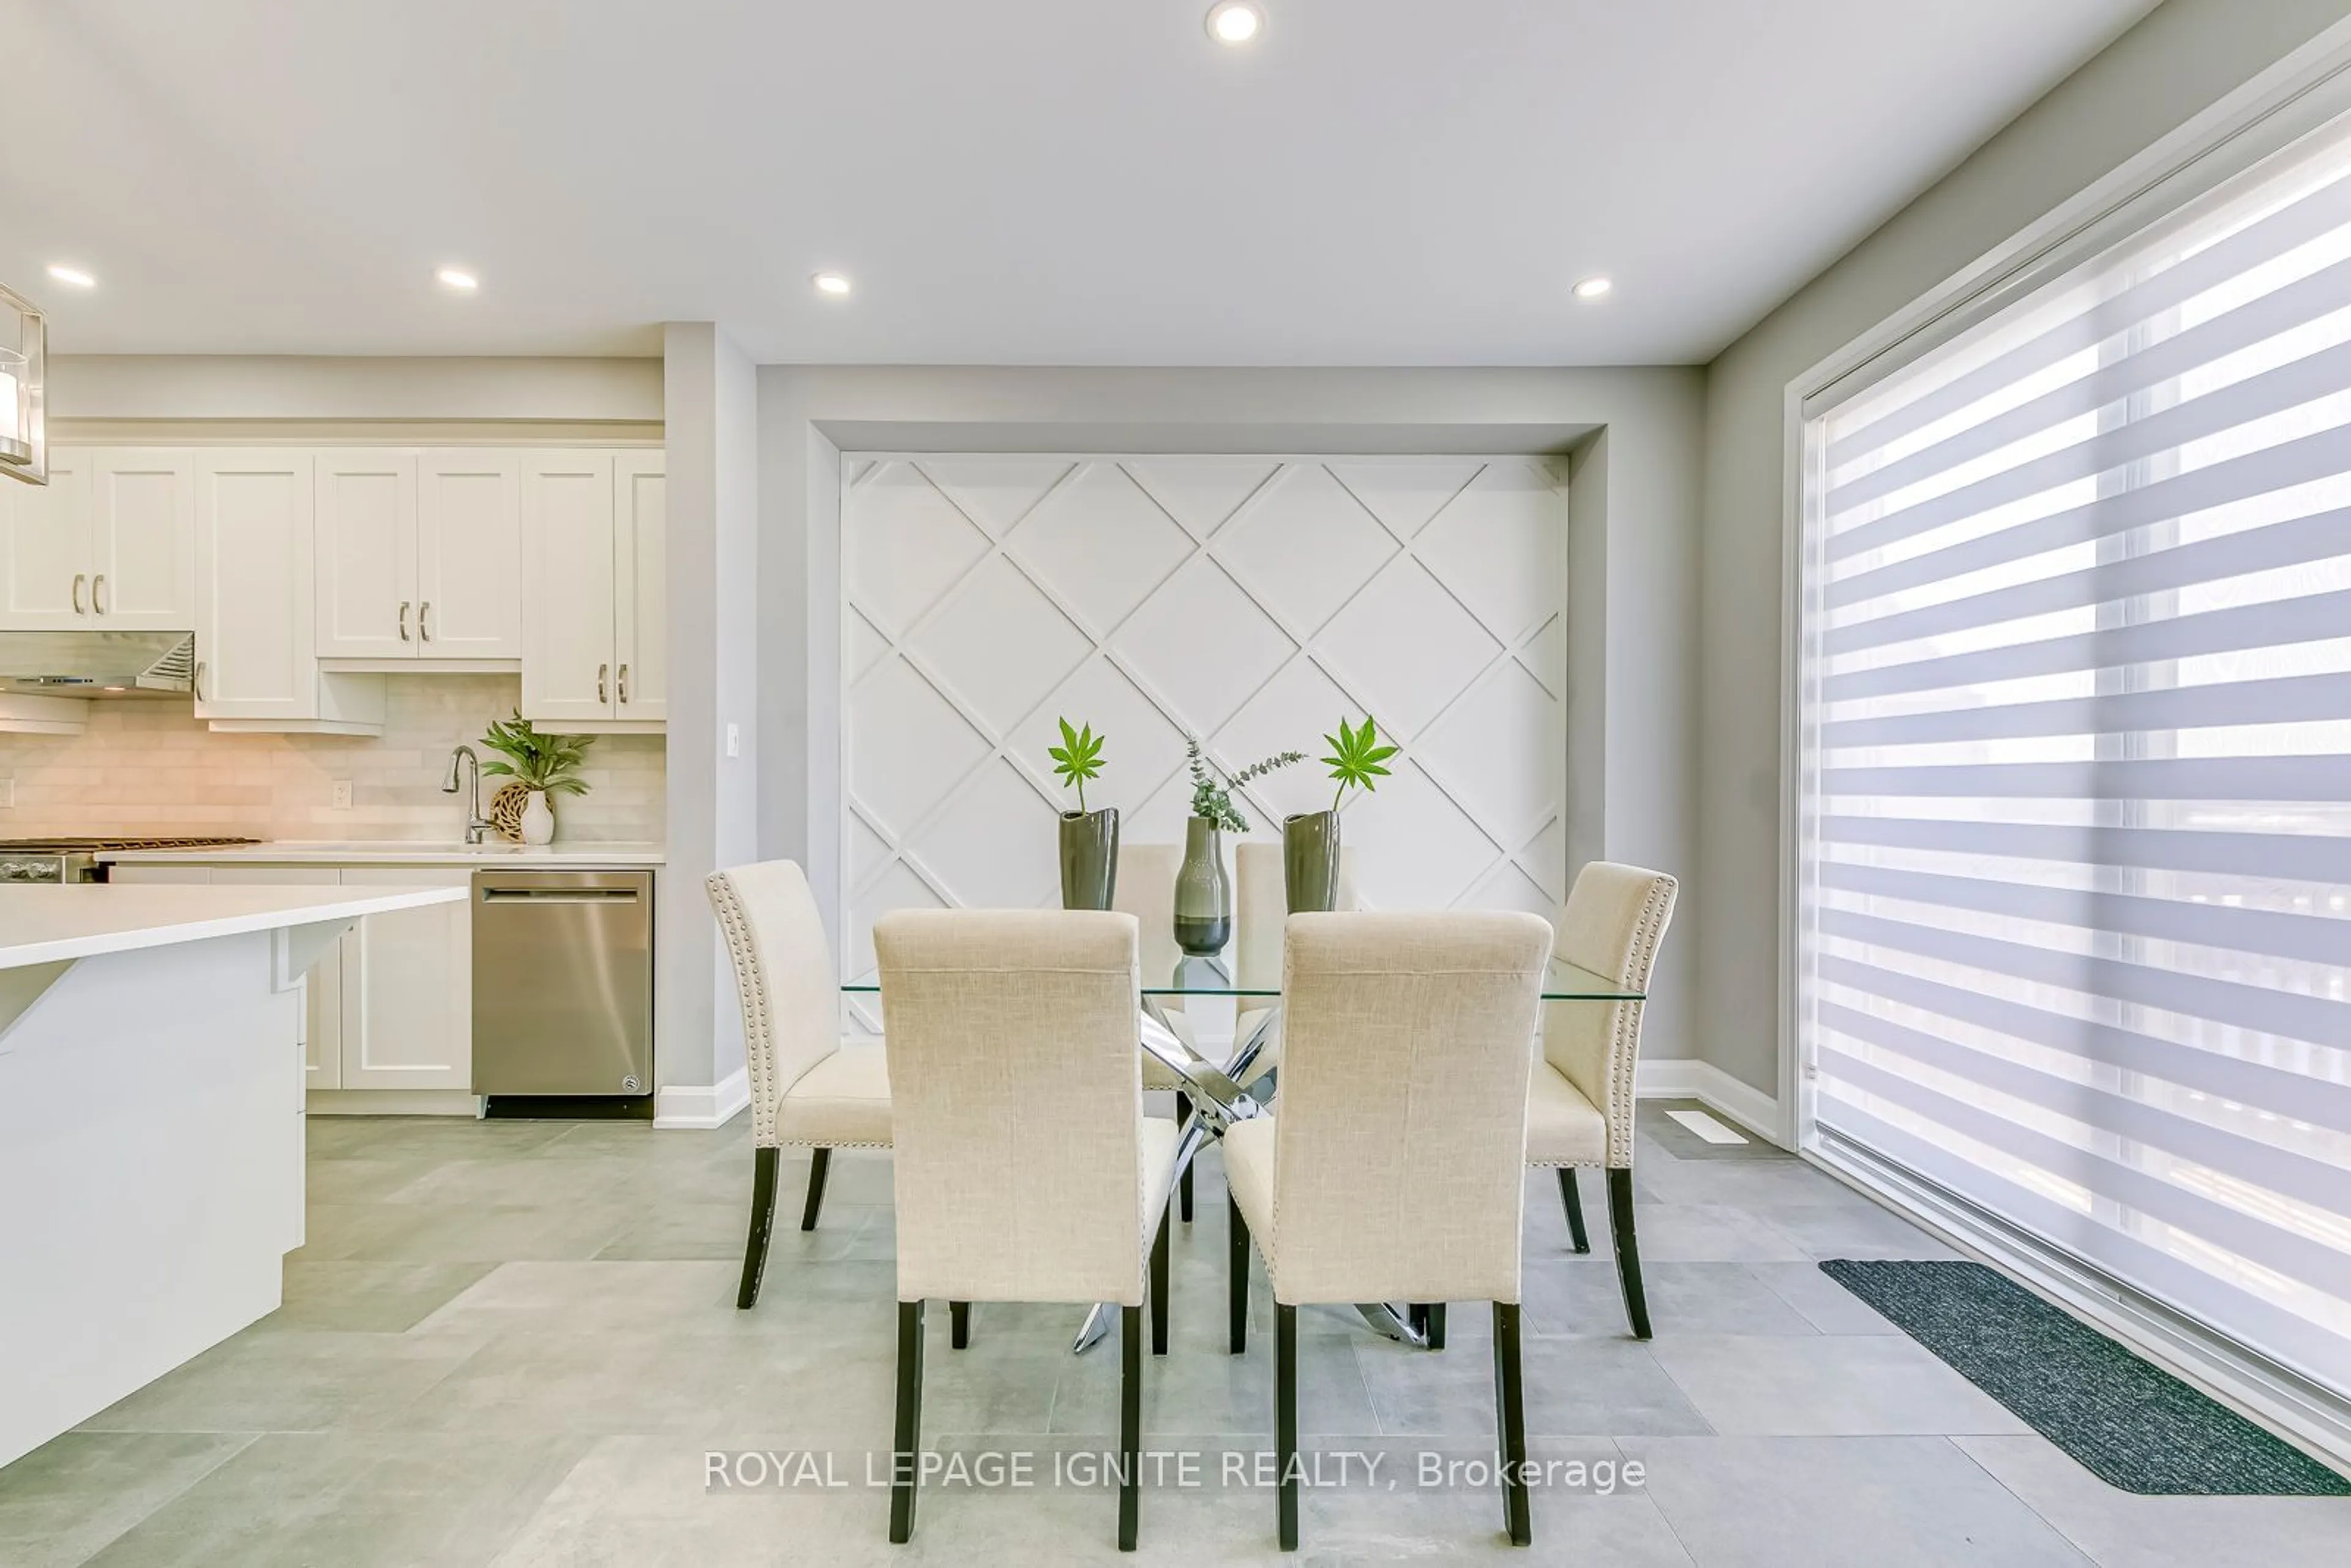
1250 600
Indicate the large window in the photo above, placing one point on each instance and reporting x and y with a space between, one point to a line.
2074 854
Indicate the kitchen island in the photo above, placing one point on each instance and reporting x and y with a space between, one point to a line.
151 1126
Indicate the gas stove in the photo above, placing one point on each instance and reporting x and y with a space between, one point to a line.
63 859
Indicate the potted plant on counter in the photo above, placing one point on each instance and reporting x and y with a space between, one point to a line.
1088 839
1204 889
1310 839
543 764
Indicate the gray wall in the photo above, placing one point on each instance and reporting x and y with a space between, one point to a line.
2177 62
709 403
327 387
1633 573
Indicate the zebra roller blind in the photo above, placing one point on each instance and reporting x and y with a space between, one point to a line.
2074 846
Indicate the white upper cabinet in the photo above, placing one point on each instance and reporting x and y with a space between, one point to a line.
641 586
45 548
142 556
254 656
366 554
566 534
420 554
468 555
107 545
595 625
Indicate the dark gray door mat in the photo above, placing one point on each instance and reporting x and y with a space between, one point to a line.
2129 1422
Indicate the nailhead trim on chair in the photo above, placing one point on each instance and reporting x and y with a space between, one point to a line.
1625 1049
751 991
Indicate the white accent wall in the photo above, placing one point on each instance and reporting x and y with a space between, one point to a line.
1252 601
1632 435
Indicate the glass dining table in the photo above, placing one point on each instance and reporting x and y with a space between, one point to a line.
1215 1088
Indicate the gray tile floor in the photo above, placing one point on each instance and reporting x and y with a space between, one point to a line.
514 1343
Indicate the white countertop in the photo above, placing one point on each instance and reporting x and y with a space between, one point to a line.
47 924
392 852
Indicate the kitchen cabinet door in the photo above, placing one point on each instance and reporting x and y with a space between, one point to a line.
566 579
256 608
322 1002
45 548
142 557
408 991
640 605
469 554
366 561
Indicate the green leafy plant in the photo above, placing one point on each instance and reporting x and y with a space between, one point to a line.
551 763
1213 800
1078 759
1355 759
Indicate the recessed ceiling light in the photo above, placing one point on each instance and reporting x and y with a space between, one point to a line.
1235 21
1593 288
832 283
457 278
73 275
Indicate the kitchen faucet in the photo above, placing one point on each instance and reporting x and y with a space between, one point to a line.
475 823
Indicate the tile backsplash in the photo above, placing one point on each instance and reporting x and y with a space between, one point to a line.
150 767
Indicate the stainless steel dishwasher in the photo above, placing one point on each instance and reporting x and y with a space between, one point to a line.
563 987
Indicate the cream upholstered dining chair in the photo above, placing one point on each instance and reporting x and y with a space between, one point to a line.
1390 1171
1146 889
1580 1112
1025 1168
1260 909
810 1089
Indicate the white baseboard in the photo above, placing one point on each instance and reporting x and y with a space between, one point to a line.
1687 1078
703 1106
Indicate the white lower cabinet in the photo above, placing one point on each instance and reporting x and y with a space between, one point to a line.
322 1007
391 1007
408 987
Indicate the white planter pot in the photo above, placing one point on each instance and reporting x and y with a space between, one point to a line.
538 820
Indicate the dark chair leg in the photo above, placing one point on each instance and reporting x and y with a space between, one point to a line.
1511 1418
1184 1178
905 1456
1159 1288
1628 1254
1237 1265
817 1164
959 1325
1285 1417
763 1219
1573 1204
1130 1424
1435 1328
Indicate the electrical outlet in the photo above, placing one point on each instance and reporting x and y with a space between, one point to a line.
343 801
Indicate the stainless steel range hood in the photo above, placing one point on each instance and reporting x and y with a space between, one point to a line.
101 665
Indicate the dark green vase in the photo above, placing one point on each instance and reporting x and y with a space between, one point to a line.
1203 891
1310 861
1089 858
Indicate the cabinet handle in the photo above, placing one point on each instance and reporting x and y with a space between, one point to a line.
624 683
404 621
423 622
602 693
97 594
199 681
78 580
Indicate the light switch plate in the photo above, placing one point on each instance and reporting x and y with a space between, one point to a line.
7 794
342 800
734 740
